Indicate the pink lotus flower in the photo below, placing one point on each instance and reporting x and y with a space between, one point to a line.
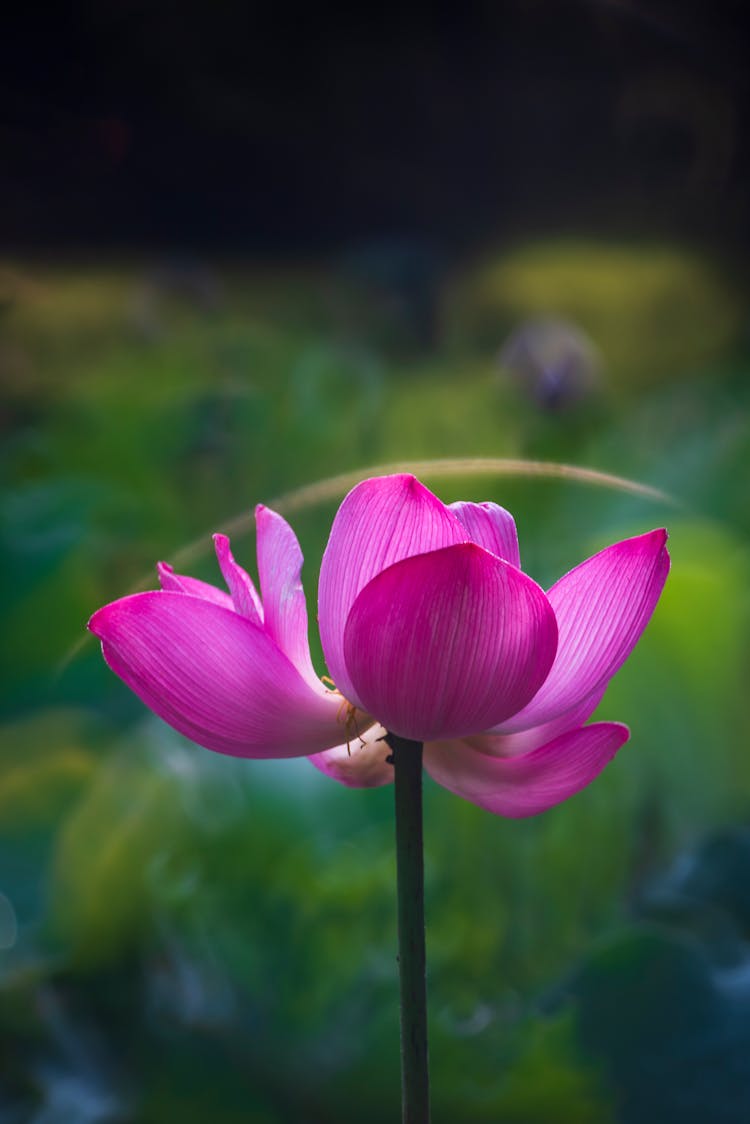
430 630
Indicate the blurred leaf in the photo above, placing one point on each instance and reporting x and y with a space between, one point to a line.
653 311
682 689
45 761
125 825
542 1079
674 1043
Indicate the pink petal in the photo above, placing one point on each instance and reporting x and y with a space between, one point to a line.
180 583
448 643
533 782
380 522
492 527
602 607
360 764
215 676
240 584
512 745
284 607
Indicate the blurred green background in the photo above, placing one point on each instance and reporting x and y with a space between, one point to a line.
184 936
237 259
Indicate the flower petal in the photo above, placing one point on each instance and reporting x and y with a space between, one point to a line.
180 583
215 676
244 595
490 526
362 763
448 643
380 522
284 607
512 745
533 782
602 607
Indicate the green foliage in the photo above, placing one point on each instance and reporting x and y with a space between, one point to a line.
654 311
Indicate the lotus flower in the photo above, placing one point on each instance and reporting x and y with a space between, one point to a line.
430 630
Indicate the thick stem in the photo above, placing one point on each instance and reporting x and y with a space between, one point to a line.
415 1089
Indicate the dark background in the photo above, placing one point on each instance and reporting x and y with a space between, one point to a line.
247 127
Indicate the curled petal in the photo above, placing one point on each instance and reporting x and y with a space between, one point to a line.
448 643
380 522
533 782
362 763
284 607
215 676
490 526
240 584
602 607
180 583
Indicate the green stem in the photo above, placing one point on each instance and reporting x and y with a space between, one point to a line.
415 1088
